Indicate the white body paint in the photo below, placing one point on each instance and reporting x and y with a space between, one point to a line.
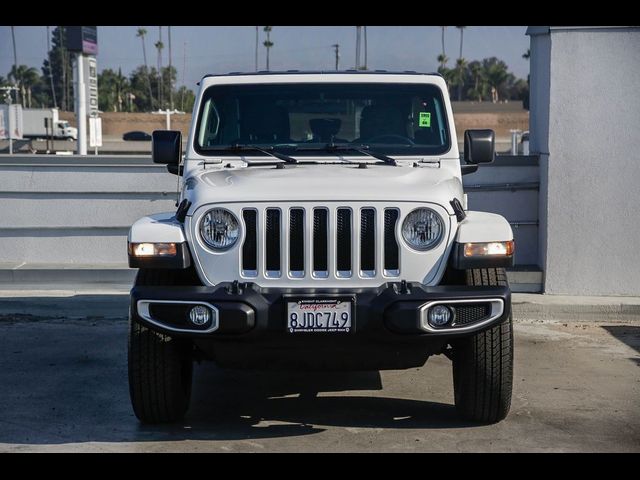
431 181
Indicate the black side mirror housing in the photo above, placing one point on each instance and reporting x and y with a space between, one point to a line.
479 146
166 148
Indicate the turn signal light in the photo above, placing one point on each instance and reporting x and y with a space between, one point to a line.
152 249
488 248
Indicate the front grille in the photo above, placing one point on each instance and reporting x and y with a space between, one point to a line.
320 242
296 242
471 313
273 242
320 239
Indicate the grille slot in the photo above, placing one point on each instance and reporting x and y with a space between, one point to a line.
320 243
296 242
471 313
343 242
272 242
391 250
250 247
368 242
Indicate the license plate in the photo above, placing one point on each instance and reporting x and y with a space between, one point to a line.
319 315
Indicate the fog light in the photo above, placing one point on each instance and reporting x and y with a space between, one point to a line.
439 315
200 315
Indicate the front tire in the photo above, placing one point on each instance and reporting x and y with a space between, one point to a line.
160 366
483 363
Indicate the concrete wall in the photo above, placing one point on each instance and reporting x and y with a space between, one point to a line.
585 113
73 211
68 210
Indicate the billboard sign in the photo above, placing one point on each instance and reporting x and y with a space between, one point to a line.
95 132
82 39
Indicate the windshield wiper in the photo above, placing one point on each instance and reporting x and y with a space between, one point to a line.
252 148
364 149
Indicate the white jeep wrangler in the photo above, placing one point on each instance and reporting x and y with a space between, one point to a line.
321 224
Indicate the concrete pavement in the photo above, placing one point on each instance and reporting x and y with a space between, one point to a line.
576 388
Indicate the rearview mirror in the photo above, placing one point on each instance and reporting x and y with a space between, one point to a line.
166 147
479 146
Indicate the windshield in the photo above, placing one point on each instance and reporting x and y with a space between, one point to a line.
390 118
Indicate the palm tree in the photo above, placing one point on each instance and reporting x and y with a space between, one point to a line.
496 73
24 78
15 58
461 65
141 33
159 46
268 43
477 73
442 60
444 55
461 39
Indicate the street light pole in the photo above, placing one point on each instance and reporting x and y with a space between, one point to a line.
7 91
336 48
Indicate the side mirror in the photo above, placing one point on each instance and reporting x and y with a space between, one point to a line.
166 147
479 146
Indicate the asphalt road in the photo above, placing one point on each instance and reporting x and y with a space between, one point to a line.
64 388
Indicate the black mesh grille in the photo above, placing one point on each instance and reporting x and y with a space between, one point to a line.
249 249
343 239
320 240
368 239
296 239
390 243
273 239
471 313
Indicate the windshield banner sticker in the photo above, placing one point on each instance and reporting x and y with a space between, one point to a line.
425 119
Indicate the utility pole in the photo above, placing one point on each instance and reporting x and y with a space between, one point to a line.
337 50
184 67
365 49
170 73
256 48
358 29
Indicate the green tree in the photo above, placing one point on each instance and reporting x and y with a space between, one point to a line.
476 72
460 75
58 70
113 91
496 73
187 98
25 78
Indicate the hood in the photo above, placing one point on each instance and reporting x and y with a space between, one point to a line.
377 182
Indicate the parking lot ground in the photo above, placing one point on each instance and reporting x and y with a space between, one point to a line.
64 388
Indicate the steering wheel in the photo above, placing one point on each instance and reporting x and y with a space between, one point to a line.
377 138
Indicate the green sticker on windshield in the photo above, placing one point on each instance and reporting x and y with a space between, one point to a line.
425 119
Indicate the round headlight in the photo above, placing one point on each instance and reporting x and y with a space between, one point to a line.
422 229
219 229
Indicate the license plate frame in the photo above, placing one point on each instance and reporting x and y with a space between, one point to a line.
316 304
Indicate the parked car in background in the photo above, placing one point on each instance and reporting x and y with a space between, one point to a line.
137 136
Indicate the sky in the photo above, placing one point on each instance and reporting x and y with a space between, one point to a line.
199 50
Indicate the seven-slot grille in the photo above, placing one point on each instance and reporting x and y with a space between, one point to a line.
320 242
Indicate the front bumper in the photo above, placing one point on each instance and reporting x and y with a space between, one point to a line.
388 322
